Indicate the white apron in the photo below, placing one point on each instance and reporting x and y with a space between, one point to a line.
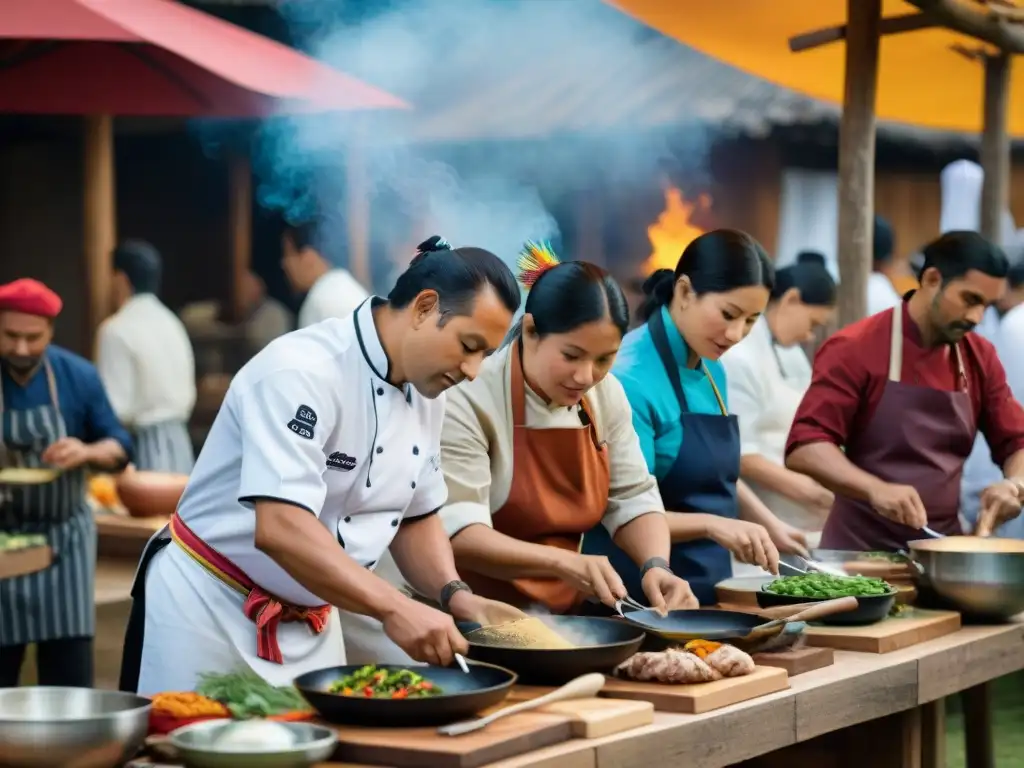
365 641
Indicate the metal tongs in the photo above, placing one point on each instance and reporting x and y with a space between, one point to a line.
630 603
797 565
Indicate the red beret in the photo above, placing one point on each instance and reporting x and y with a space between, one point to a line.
30 297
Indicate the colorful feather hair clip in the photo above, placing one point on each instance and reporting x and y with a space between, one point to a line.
534 260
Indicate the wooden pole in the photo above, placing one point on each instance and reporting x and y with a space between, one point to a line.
857 158
240 221
357 215
99 218
995 147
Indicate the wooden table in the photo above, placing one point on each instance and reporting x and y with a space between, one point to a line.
21 562
120 536
880 710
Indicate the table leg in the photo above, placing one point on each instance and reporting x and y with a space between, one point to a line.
977 706
933 734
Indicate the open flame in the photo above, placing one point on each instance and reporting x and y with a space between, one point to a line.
674 229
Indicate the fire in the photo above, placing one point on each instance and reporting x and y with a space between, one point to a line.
674 229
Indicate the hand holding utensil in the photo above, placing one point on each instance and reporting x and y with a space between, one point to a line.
583 687
461 661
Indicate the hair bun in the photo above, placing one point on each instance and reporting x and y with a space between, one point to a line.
433 243
659 284
811 257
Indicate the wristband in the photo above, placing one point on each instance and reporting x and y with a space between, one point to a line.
654 562
449 590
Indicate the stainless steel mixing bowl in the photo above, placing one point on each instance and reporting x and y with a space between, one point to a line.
981 577
70 727
197 745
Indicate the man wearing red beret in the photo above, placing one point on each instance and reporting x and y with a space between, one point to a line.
53 413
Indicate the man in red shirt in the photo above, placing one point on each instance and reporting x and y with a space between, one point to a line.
897 399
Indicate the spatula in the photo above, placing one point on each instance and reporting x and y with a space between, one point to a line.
583 687
816 611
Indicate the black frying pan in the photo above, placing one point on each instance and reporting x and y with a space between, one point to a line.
603 644
464 695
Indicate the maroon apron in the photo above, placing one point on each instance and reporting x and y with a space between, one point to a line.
918 436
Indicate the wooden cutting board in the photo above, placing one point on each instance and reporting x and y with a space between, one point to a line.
24 561
700 697
910 628
740 593
123 536
417 747
798 660
592 718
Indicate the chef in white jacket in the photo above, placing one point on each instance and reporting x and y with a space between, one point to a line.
144 357
329 291
767 375
324 456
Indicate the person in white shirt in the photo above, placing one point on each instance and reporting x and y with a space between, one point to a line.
768 373
146 362
1003 325
324 456
329 291
882 294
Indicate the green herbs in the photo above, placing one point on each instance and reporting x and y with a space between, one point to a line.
12 542
372 682
822 586
247 694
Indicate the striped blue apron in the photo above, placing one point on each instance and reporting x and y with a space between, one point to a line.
164 447
58 602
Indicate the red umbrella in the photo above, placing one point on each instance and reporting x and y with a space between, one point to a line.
157 57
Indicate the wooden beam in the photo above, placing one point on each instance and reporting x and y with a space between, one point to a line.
99 219
857 158
995 147
892 25
240 233
357 213
977 20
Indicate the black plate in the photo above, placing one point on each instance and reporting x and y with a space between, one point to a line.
605 643
464 695
869 609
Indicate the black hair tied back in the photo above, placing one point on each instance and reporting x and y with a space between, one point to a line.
659 286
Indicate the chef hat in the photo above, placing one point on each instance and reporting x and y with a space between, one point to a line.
30 297
961 182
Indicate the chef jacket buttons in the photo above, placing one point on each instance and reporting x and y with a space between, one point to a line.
380 390
414 484
415 450
371 564
348 519
394 523
380 449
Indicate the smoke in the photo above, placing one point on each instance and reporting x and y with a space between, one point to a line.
492 148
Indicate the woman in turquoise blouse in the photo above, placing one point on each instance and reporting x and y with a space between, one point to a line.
670 370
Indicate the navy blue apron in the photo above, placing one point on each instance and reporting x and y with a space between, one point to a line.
702 479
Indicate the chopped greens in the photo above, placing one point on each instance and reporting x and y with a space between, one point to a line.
247 694
373 682
11 542
822 586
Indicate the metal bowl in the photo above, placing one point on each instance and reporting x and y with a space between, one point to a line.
980 577
42 727
196 744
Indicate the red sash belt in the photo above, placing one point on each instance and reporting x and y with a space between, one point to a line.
260 606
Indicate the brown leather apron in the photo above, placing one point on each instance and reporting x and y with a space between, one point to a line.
560 480
917 436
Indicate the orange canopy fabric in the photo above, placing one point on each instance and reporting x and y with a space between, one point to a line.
922 80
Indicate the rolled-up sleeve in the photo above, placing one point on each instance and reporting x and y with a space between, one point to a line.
466 465
633 491
1002 416
747 400
837 391
284 420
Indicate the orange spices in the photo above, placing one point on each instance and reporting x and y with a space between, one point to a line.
188 704
702 648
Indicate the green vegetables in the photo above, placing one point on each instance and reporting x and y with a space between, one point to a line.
822 586
248 695
12 542
372 682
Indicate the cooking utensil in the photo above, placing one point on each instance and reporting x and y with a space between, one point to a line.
982 577
461 661
43 727
934 534
868 610
463 695
601 645
733 626
150 494
196 745
584 687
795 565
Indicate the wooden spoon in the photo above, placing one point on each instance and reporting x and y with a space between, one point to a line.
583 687
817 611
787 611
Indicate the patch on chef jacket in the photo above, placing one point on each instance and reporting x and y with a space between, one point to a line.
342 461
304 422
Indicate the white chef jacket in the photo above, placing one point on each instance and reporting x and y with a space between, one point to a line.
335 294
882 294
766 384
1007 334
311 420
145 360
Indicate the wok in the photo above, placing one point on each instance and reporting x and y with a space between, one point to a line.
70 727
981 577
732 626
464 695
601 645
